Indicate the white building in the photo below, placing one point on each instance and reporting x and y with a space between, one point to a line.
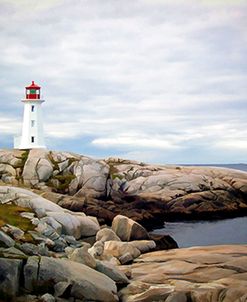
32 135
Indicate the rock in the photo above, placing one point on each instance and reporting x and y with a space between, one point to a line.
31 269
59 245
5 240
71 225
163 242
198 274
12 252
148 194
106 234
44 169
7 170
30 174
85 282
16 233
60 288
144 246
10 270
47 298
118 249
53 223
177 297
46 230
42 239
27 199
32 249
111 271
127 229
72 241
97 250
126 258
81 255
88 227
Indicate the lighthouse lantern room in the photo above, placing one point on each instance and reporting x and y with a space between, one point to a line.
32 135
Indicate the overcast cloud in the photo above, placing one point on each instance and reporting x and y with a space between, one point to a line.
152 80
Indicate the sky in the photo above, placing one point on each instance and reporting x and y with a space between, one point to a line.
160 81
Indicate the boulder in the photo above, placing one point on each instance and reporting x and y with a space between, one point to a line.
85 283
81 255
97 249
44 169
107 234
30 174
126 258
10 271
47 298
12 253
118 249
163 242
7 170
5 240
71 225
88 226
127 229
15 232
144 246
53 223
112 272
32 249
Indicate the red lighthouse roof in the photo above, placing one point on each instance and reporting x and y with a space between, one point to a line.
32 86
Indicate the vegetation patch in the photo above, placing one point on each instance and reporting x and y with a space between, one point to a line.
64 182
23 157
52 160
10 214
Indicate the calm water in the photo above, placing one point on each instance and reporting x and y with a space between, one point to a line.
227 231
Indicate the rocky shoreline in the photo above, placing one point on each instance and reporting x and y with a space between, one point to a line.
72 229
149 194
52 254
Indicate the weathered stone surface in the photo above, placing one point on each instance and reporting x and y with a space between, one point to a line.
111 271
85 282
70 223
107 234
81 255
88 227
154 192
44 169
12 253
198 274
127 229
7 170
30 173
97 249
15 232
10 270
143 246
47 298
163 242
149 194
5 240
118 249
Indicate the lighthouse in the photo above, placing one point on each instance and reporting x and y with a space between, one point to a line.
32 135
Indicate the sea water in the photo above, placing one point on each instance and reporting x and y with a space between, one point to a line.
196 233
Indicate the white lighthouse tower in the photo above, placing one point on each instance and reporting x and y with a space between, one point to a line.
32 127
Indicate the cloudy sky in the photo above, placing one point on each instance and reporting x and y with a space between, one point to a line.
160 81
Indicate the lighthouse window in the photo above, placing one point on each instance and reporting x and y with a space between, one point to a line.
32 108
32 139
32 123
